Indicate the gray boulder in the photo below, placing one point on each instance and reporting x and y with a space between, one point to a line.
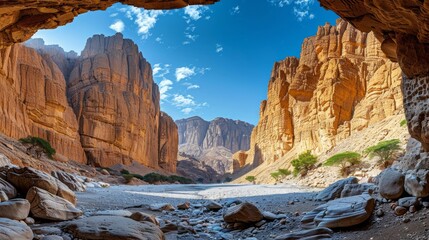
243 213
14 230
417 183
16 209
357 189
342 212
113 227
334 190
391 184
315 233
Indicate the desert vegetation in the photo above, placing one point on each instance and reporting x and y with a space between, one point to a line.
305 162
385 151
345 160
38 145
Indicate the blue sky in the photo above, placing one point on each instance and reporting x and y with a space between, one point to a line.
211 61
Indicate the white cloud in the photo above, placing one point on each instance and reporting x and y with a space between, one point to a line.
195 12
219 48
184 72
145 19
301 8
187 110
183 101
164 86
117 26
113 15
235 10
159 40
193 86
159 71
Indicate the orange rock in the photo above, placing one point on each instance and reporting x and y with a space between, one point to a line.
342 83
33 101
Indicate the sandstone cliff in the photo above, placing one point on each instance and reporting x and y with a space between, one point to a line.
33 101
116 117
341 84
213 142
168 142
116 103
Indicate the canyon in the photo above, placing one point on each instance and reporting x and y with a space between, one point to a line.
214 142
114 115
342 84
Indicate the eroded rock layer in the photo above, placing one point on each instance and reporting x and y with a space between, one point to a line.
168 142
116 103
20 19
403 29
33 101
342 83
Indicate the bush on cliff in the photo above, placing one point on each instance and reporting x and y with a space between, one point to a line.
346 161
39 145
385 151
303 163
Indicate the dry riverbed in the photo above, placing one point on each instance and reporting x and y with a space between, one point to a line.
289 201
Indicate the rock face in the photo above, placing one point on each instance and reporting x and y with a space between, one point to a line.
111 90
21 19
117 105
33 101
404 34
168 142
12 230
342 83
213 142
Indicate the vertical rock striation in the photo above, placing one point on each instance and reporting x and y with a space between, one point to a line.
168 143
342 83
213 142
33 101
116 103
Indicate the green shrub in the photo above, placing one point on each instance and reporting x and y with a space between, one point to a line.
276 176
39 142
155 177
346 161
304 163
251 179
124 171
385 150
128 177
284 172
403 123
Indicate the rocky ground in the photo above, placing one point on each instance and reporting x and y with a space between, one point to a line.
287 202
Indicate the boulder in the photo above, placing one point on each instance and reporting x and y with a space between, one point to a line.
8 189
334 190
243 213
159 207
3 196
391 184
16 209
70 180
408 202
357 189
47 206
417 183
315 233
144 217
184 206
25 178
14 230
214 206
113 227
342 212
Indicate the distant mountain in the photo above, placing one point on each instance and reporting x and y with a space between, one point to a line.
213 142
